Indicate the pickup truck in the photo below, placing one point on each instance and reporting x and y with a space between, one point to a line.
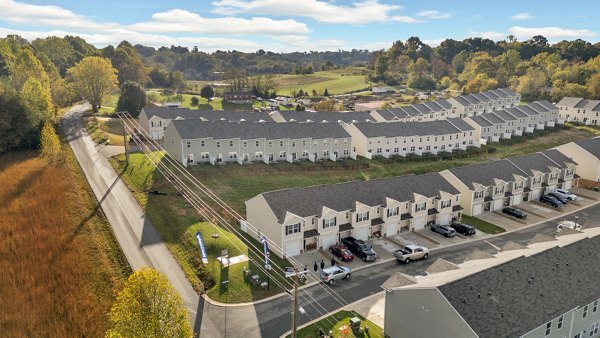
411 253
360 248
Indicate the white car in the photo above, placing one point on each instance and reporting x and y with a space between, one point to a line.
336 272
566 194
568 224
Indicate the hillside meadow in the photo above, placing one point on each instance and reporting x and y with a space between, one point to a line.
61 267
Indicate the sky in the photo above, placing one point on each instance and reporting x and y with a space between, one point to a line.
297 25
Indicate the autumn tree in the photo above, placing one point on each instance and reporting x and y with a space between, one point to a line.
38 102
132 98
93 78
50 143
14 127
148 306
27 66
328 105
128 63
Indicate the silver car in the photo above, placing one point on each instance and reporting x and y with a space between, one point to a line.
331 274
566 194
445 230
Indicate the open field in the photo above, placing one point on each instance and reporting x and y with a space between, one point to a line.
338 325
177 222
551 140
337 81
60 264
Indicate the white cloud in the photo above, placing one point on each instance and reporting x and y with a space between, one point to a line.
550 32
521 16
431 14
489 35
360 12
183 21
433 42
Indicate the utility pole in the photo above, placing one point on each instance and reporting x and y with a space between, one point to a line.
295 310
124 137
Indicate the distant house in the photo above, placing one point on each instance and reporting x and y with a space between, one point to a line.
382 89
587 155
402 138
154 120
581 110
428 111
197 141
321 117
485 102
238 97
303 219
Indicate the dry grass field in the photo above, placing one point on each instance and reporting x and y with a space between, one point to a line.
61 266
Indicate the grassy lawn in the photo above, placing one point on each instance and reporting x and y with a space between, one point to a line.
482 225
590 129
177 222
337 81
105 131
340 320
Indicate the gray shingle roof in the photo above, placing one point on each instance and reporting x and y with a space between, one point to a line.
443 103
481 121
387 114
343 196
531 162
516 112
195 129
569 101
558 157
394 129
333 117
592 146
172 113
485 173
505 115
492 117
527 110
563 279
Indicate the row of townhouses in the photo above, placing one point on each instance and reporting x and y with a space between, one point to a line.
455 107
577 109
402 138
197 141
534 292
303 219
514 121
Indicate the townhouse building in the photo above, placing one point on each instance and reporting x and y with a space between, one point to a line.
243 97
303 219
514 121
587 155
428 111
547 293
216 142
321 117
493 185
578 109
154 120
485 102
402 138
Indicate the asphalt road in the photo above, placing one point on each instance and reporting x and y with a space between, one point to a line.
143 247
136 235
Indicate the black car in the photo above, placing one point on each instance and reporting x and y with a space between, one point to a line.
514 212
551 201
559 197
360 248
464 229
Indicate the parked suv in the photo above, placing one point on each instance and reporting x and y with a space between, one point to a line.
445 230
331 274
518 213
360 248
566 194
464 229
551 201
559 197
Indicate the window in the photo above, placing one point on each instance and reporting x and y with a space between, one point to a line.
559 325
231 143
303 142
258 155
188 144
329 222
346 152
232 156
420 207
190 158
325 153
282 154
594 328
204 156
446 204
202 143
304 153
281 143
270 144
392 212
218 144
584 314
292 229
577 335
595 307
245 144
478 194
293 143
548 328
499 190
258 143
363 216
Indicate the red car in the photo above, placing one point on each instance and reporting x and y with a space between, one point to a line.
341 252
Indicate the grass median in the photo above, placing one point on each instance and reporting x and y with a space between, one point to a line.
339 325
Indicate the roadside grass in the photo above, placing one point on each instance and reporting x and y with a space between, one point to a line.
482 225
61 265
341 320
590 129
104 131
177 222
338 81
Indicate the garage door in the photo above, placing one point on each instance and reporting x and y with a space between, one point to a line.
535 194
292 248
517 199
498 204
362 233
477 209
328 240
419 223
391 229
444 219
568 185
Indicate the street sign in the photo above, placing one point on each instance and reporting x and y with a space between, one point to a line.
202 248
